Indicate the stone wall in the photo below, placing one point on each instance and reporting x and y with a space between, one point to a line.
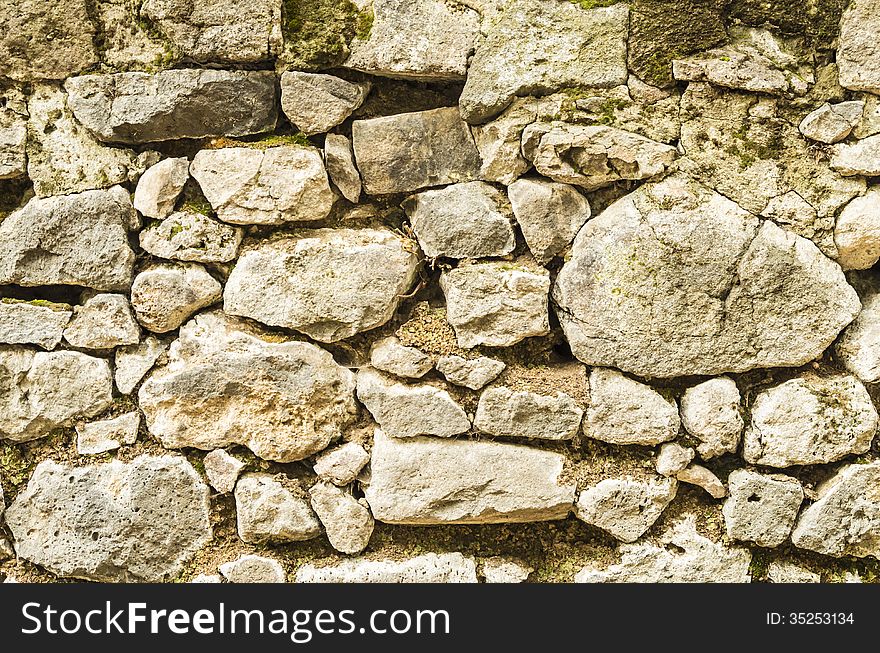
439 290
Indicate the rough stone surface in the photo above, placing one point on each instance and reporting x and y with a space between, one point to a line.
503 412
625 507
761 508
23 323
858 50
222 470
131 363
190 236
104 321
473 373
426 568
342 464
107 435
253 569
710 411
268 511
139 107
137 521
788 572
859 158
433 481
469 220
339 159
810 420
496 304
673 458
159 187
13 135
830 124
857 232
504 570
858 347
317 103
164 295
389 355
704 478
328 283
347 522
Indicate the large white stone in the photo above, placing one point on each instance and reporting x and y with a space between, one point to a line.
761 508
625 507
347 522
426 568
857 51
503 412
23 323
857 232
164 295
104 321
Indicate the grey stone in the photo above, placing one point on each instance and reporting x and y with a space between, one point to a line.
710 411
858 347
134 361
761 508
13 134
673 458
23 323
268 511
104 321
316 103
859 158
704 478
347 522
857 49
137 107
389 355
426 568
222 470
857 232
473 373
781 571
339 159
503 412
341 465
830 124
625 507
113 522
190 236
164 295
253 569
159 187
107 435
793 213
499 141
504 570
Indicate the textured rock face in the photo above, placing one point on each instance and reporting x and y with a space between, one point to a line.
317 103
710 411
857 52
520 414
859 158
704 478
857 232
159 187
186 236
24 323
134 361
329 283
346 521
253 569
107 435
858 347
503 570
163 296
761 508
830 124
222 470
428 568
223 385
625 507
103 322
194 103
388 355
137 521
728 295
342 464
268 511
473 373
432 481
13 136
339 159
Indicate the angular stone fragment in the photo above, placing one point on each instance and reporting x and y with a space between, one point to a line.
159 187
107 435
858 347
408 151
389 355
23 323
113 522
780 571
625 507
41 391
761 508
434 481
190 236
593 156
222 470
549 214
503 412
499 141
347 522
792 212
209 31
427 40
342 464
327 283
857 49
673 458
316 103
267 511
253 569
496 304
226 385
624 411
845 519
719 293
426 568
830 124
103 322
164 295
13 134
78 240
247 185
139 107
548 46
134 361
339 159
405 411
859 158
504 570
469 220
710 411
869 123
473 373
704 478
857 232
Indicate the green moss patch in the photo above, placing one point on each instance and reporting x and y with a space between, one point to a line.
317 32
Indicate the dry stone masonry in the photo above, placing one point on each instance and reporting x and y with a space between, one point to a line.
590 287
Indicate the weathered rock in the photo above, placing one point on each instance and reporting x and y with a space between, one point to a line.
499 141
473 373
342 464
222 470
593 156
830 124
504 570
710 411
434 481
225 385
281 184
268 511
159 187
503 412
426 568
496 304
549 214
859 158
339 159
79 240
417 39
673 458
236 31
624 411
793 213
810 420
409 151
134 361
127 43
207 578
316 103
139 107
780 571
103 322
253 569
389 355
857 49
164 295
23 323
405 411
761 508
858 347
702 477
625 507
869 123
41 391
123 522
681 555
469 220
548 46
107 435
845 519
347 522
719 293
190 236
13 134
857 232
328 283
